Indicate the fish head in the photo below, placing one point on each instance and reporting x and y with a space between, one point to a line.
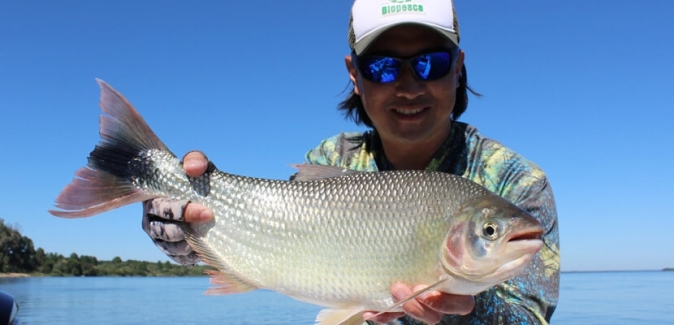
490 241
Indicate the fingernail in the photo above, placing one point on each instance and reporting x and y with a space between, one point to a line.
398 293
206 215
195 163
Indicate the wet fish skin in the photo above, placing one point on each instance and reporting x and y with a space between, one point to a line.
339 239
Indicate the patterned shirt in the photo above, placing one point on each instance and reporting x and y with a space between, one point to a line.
529 298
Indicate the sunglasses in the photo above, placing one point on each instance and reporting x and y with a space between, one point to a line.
385 69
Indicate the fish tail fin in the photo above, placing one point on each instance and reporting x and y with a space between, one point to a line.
104 184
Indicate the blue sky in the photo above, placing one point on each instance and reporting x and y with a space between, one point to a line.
582 88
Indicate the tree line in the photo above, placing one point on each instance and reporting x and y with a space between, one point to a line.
18 255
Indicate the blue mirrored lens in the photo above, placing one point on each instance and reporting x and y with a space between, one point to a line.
381 69
384 69
432 66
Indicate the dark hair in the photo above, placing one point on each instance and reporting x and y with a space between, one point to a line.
354 109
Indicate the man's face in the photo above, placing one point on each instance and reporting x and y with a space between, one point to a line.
408 110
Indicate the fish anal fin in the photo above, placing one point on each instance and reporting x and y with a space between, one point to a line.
226 284
444 279
340 316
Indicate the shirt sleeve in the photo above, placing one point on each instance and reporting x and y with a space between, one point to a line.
323 154
347 150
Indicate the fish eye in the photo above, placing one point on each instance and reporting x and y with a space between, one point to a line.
490 230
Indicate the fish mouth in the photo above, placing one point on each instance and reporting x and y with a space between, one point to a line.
525 242
520 250
525 235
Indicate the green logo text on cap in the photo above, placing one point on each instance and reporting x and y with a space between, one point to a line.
401 6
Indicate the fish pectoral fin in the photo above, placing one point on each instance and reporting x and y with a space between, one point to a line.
443 280
226 284
309 172
340 316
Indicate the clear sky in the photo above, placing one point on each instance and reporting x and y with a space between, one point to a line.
582 88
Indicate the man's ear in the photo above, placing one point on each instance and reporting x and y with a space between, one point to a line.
353 73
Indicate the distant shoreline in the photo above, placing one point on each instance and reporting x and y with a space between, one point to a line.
39 275
14 275
26 275
618 271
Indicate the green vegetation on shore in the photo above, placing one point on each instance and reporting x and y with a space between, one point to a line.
18 255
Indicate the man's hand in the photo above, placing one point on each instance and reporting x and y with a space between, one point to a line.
195 164
429 307
162 217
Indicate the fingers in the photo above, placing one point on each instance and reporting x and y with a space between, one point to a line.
414 307
180 248
166 208
195 163
430 306
383 318
446 303
165 231
197 213
162 217
172 210
188 260
180 252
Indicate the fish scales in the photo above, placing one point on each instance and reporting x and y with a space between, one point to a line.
350 236
268 230
332 237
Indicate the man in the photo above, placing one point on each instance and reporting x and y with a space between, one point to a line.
410 87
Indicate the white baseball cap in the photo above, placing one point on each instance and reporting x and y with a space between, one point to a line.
370 18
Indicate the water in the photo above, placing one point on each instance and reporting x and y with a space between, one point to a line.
138 300
616 298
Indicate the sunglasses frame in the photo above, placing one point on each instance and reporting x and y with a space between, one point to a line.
407 61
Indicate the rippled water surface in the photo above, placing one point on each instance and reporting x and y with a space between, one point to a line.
585 298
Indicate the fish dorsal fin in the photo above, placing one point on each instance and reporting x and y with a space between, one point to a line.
340 316
443 280
309 172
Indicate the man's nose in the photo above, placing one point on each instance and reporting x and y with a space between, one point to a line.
407 83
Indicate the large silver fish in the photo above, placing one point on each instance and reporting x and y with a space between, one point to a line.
334 238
